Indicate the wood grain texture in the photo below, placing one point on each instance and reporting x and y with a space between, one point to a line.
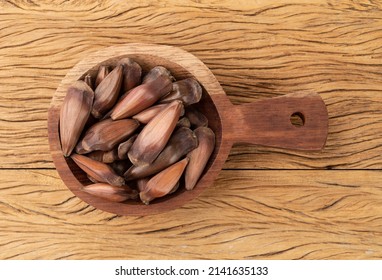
256 50
269 215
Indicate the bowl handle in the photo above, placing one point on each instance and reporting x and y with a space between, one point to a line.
293 121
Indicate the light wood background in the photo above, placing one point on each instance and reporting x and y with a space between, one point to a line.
267 203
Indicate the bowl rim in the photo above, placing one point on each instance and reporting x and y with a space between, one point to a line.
179 58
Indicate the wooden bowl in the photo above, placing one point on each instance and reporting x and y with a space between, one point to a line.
265 122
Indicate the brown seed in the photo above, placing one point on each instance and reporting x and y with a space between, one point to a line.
101 172
89 130
183 122
91 120
106 93
96 155
80 149
199 156
148 114
108 114
175 188
164 182
188 91
74 114
155 73
182 141
132 77
132 72
105 135
111 193
88 80
142 184
197 119
142 97
103 71
120 166
124 147
110 156
155 135
105 156
92 179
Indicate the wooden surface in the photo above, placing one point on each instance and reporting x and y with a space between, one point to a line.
267 203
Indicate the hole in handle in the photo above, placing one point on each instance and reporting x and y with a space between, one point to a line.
297 119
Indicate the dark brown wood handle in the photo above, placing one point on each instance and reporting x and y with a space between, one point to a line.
271 122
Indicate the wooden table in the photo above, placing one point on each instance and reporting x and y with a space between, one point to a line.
267 203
